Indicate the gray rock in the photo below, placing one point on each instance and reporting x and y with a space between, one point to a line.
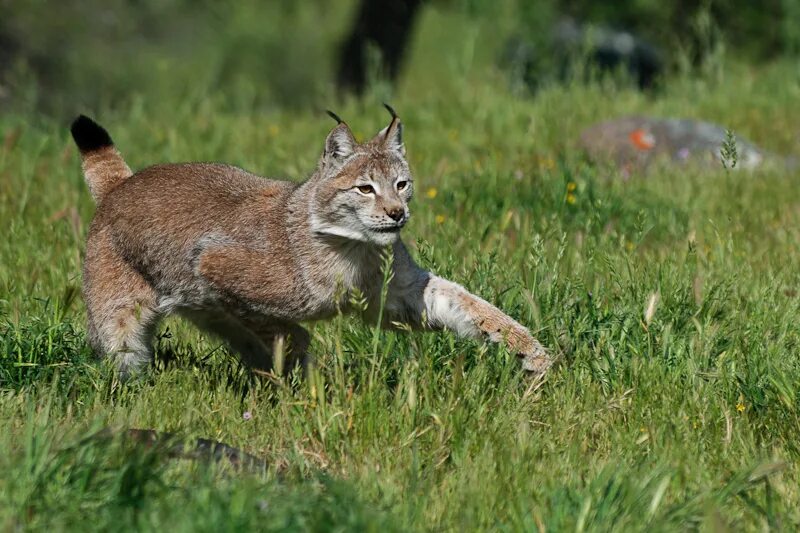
573 49
637 142
611 49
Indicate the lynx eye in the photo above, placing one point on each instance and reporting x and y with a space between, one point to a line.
401 185
365 189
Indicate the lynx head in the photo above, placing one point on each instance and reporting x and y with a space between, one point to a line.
361 191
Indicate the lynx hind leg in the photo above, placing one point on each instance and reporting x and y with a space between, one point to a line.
255 341
122 309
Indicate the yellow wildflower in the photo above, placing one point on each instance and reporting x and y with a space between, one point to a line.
547 163
571 186
439 219
431 193
740 407
571 198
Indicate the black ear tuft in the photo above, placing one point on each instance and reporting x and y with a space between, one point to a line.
89 135
392 135
334 116
390 109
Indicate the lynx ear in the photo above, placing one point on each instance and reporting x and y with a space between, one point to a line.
391 137
340 142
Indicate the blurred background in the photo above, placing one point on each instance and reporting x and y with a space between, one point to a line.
59 57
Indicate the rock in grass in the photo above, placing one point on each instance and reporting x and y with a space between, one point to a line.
637 142
577 50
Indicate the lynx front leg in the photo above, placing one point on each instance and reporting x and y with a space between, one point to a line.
257 341
450 305
288 342
429 301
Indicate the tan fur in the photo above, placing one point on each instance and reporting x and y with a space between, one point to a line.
123 311
247 258
104 170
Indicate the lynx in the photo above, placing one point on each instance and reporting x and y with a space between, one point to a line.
247 258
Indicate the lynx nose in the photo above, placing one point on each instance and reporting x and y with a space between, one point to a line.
396 213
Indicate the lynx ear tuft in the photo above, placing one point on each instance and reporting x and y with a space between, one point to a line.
334 116
391 137
391 110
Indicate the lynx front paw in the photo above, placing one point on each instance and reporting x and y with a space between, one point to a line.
534 358
532 354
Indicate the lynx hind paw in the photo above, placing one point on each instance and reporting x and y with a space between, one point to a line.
535 360
130 364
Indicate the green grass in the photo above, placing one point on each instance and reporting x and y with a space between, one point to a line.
689 421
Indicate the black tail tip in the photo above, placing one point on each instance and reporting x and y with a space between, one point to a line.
89 135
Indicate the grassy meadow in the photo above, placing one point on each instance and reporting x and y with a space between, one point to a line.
683 416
